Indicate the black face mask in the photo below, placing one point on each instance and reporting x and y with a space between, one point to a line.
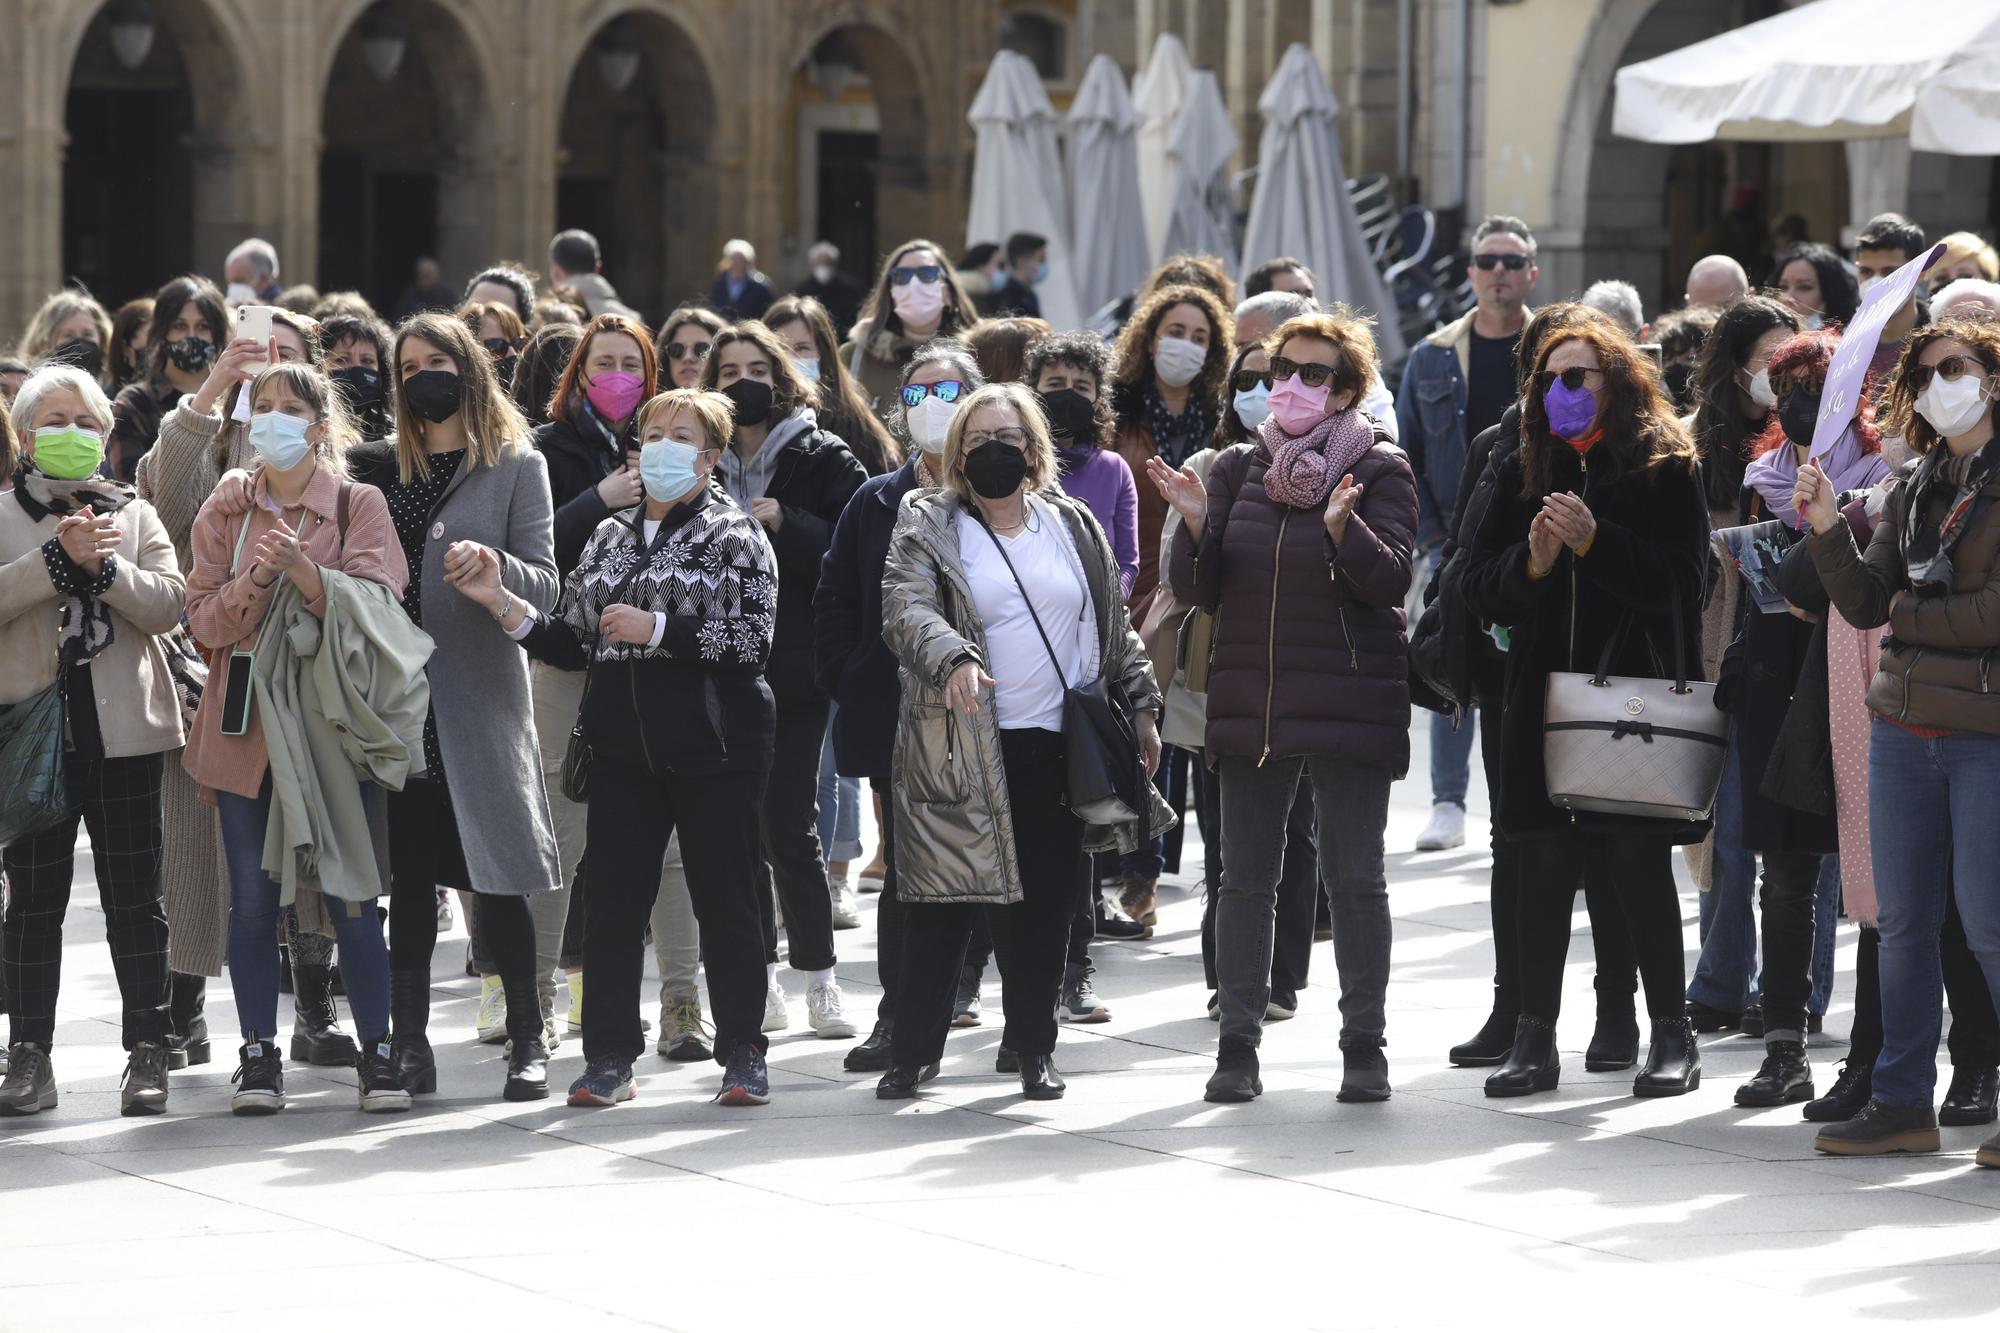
753 399
190 355
82 353
1071 415
434 395
996 470
1797 413
360 385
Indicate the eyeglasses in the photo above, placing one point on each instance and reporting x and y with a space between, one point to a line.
1243 381
1512 263
947 391
924 273
1310 373
1012 436
1572 378
1952 367
676 351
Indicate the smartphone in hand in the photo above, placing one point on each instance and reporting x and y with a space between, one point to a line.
254 321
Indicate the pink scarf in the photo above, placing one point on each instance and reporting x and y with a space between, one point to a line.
1304 468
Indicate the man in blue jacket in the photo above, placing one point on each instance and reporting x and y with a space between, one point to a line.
1456 384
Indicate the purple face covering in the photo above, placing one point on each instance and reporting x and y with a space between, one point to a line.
1570 411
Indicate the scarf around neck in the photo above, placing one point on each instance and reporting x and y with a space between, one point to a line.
1926 549
1847 466
86 622
1304 468
1176 437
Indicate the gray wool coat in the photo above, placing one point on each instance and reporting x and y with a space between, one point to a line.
479 678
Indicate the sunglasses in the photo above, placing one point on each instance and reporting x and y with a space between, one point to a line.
1243 381
676 351
1572 378
498 346
1512 263
1310 373
1952 367
947 391
924 273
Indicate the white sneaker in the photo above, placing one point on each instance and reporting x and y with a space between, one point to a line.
776 1016
826 1010
846 910
492 1020
1446 829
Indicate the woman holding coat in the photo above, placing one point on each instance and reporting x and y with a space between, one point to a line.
999 592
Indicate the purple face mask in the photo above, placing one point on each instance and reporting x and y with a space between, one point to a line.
1570 411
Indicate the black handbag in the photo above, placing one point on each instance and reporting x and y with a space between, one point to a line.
577 755
1106 783
32 791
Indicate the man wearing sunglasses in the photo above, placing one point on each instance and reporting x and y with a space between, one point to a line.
1456 384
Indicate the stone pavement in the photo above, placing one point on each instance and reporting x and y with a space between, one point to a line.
1129 1204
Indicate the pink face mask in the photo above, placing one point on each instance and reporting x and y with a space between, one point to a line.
1296 408
918 303
615 395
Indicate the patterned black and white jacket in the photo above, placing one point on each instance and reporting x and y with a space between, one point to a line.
694 700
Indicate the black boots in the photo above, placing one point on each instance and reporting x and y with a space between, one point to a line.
1236 1077
1673 1066
1786 1077
1970 1100
316 1035
1615 1043
1039 1080
1532 1063
1849 1093
410 1016
527 1056
187 1027
1489 1045
902 1081
872 1054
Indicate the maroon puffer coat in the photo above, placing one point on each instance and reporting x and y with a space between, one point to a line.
1330 621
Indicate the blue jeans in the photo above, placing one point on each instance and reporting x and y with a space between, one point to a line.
839 805
1725 976
1931 810
253 928
1451 758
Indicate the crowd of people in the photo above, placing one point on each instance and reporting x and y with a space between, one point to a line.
312 621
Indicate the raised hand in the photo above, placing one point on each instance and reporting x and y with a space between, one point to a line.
1339 505
1183 489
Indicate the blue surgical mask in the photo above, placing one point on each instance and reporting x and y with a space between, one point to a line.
1041 273
667 468
1253 405
279 439
808 367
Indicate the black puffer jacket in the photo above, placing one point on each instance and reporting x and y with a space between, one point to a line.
1452 648
578 459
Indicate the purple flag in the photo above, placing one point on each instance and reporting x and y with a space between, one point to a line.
1858 341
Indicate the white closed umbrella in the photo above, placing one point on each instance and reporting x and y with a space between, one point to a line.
1157 94
1108 234
1302 208
1017 180
1832 69
1203 220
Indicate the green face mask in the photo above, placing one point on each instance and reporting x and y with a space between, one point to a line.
67 453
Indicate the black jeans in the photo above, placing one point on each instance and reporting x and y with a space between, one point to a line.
790 831
892 914
632 814
1505 887
118 801
1030 936
1298 887
1974 1040
1790 882
1635 911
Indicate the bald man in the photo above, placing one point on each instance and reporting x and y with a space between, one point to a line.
1716 280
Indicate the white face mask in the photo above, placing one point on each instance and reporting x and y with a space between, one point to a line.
1953 407
1761 392
1178 360
1253 405
808 367
240 293
929 420
1813 321
1868 285
822 274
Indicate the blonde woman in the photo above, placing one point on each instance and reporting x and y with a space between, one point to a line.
71 329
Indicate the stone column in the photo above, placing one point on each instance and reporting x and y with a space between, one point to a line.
32 142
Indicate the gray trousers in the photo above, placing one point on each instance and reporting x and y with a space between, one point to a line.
1351 801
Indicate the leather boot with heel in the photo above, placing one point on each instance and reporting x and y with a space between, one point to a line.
1673 1065
1532 1064
1489 1045
1614 1045
410 1014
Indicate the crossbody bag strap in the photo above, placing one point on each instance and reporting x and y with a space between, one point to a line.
1026 601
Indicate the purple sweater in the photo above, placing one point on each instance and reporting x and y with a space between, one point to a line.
1103 480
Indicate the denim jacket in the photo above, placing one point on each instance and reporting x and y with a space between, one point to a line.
1430 419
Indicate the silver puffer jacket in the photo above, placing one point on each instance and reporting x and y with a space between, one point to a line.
954 828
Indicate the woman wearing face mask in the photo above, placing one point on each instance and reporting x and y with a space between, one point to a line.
356 360
70 329
803 325
672 607
88 585
464 485
1597 535
794 478
1812 280
999 593
916 297
683 345
1935 740
190 327
305 523
1337 501
500 331
125 358
852 662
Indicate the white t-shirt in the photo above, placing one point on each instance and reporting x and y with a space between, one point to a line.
1027 691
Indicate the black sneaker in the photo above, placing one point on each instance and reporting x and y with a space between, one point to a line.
1283 1004
1364 1075
604 1083
747 1081
259 1080
377 1078
143 1091
1236 1077
1117 926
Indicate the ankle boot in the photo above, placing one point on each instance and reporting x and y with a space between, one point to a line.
1533 1064
316 1035
410 1014
187 1027
1673 1066
527 1058
1785 1077
1489 1045
1615 1043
